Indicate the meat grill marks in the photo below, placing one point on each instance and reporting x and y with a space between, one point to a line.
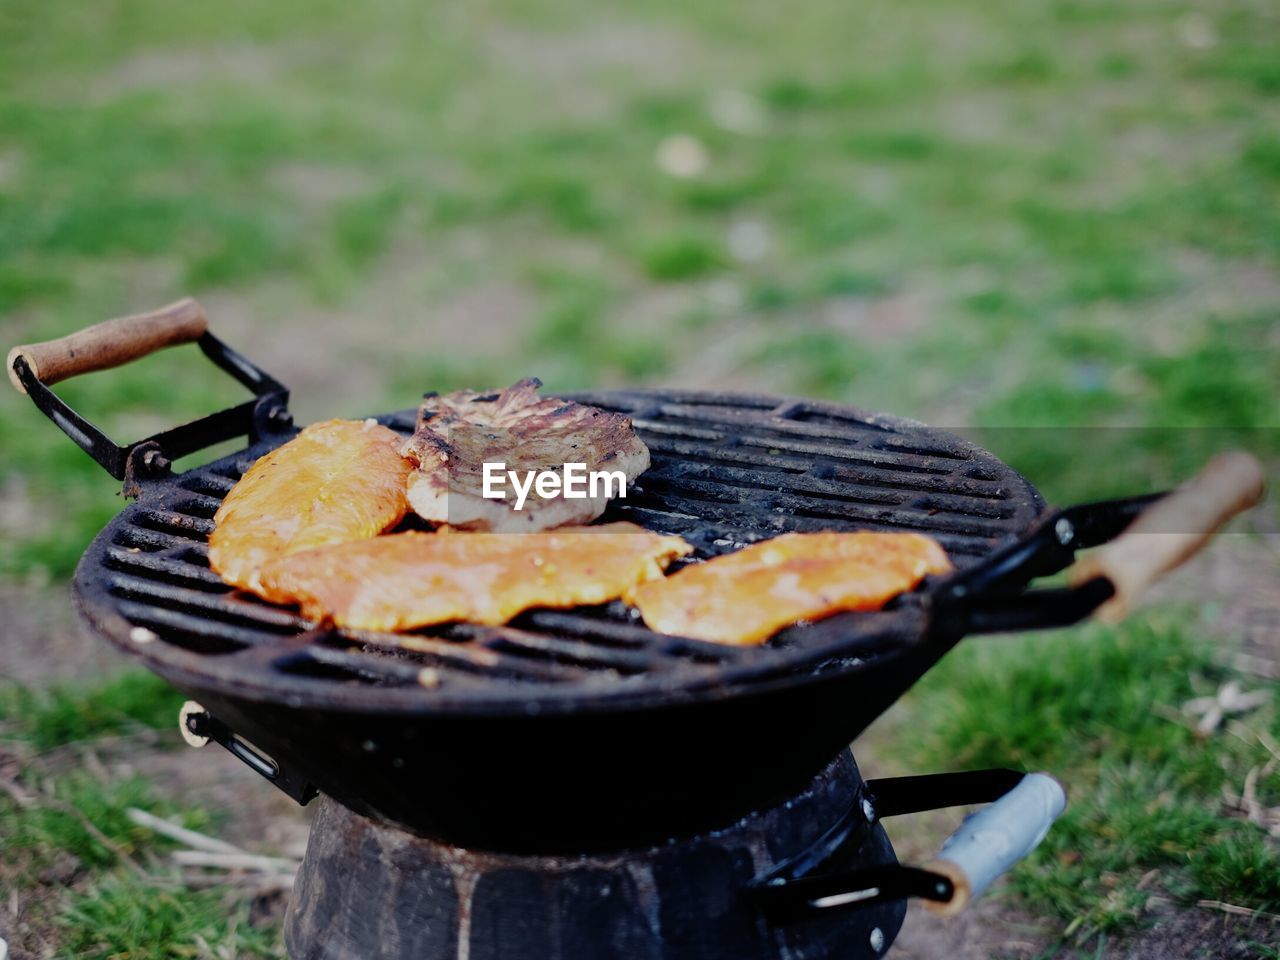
726 471
407 580
457 434
746 596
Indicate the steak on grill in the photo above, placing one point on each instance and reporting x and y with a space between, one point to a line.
336 481
459 432
745 597
413 579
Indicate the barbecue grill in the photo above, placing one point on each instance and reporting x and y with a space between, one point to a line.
573 784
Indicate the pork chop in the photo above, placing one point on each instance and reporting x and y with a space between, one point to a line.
459 432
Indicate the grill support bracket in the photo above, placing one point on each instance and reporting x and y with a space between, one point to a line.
198 727
821 879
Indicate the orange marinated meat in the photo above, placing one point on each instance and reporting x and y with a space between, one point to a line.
336 481
412 579
745 597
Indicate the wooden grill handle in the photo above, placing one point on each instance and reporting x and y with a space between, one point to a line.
110 343
1172 530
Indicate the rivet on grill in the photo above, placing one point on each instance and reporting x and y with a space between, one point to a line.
876 939
1065 531
142 635
189 710
154 461
369 746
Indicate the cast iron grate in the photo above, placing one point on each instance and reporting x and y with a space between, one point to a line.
727 471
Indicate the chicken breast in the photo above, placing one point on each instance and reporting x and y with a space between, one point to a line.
745 597
413 579
460 432
336 481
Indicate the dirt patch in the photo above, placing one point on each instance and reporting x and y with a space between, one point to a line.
993 927
573 54
570 65
44 641
20 517
12 164
320 184
876 321
469 324
997 929
1199 934
1236 584
163 69
247 811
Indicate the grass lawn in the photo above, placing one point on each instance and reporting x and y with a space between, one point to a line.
1055 226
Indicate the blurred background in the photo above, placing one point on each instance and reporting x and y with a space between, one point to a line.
1054 226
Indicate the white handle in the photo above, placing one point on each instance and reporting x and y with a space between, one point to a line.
996 837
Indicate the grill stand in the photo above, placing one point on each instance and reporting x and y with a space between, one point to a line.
373 892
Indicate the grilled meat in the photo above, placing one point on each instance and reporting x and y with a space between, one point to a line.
335 481
458 433
745 597
412 579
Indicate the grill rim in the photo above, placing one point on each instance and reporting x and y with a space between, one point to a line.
742 672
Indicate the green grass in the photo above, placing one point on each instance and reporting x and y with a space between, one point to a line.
95 905
59 715
1098 708
40 834
124 918
76 885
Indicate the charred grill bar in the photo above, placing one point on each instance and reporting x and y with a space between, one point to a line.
573 784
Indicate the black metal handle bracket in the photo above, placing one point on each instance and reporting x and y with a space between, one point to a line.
152 457
198 727
818 879
990 597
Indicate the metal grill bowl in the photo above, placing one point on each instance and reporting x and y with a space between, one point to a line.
726 471
585 710
582 729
